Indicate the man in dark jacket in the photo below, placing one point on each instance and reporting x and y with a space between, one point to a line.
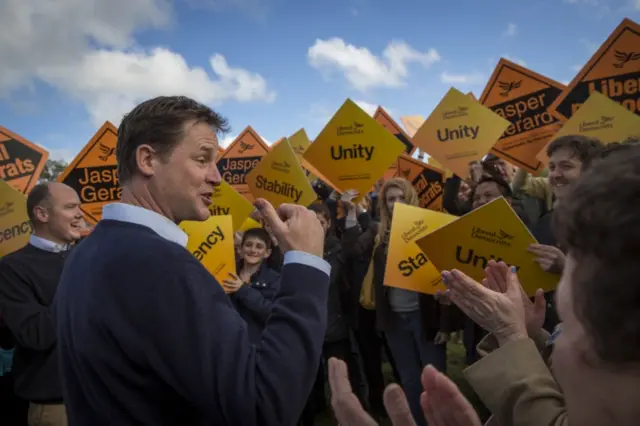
29 281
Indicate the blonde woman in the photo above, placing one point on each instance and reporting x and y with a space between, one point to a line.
411 322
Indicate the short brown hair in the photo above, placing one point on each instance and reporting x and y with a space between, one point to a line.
159 123
37 196
598 223
583 147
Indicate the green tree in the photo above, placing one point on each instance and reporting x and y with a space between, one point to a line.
52 169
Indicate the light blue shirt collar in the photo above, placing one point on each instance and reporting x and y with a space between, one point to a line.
46 245
145 217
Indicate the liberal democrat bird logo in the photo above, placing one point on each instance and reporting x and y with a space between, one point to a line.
507 87
106 152
624 57
244 147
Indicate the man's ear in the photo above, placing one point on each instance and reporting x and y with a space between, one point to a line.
267 254
41 213
146 158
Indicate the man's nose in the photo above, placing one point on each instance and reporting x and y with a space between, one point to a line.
213 177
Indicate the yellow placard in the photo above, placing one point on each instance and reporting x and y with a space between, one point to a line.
211 242
602 118
249 224
407 266
279 178
353 150
228 201
491 232
460 130
15 226
299 142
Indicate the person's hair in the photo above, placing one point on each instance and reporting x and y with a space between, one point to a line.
617 146
410 197
490 158
259 233
38 195
159 123
582 147
321 208
502 184
599 225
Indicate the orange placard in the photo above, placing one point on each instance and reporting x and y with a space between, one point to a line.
412 123
614 71
21 162
523 97
94 173
472 96
428 181
244 153
382 117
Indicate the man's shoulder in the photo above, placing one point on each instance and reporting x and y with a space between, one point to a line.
15 258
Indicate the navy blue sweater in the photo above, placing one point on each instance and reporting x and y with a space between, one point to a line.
255 299
148 337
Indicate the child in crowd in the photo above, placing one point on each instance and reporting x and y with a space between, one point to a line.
253 288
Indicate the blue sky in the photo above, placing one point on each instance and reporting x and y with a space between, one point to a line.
276 65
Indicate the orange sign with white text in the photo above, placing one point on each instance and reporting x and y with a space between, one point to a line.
21 162
523 97
614 71
428 181
94 173
382 117
244 153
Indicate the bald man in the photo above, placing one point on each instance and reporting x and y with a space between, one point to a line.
28 282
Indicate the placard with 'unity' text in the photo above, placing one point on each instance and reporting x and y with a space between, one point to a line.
244 153
279 178
601 118
94 173
227 201
458 131
15 226
491 232
407 266
614 71
428 181
21 162
211 242
523 97
353 150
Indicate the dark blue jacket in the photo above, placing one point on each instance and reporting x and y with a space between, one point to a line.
254 300
146 336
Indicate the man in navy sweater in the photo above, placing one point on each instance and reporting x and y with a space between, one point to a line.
146 334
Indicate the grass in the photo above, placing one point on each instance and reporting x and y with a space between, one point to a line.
455 367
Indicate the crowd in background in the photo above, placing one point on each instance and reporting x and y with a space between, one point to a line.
137 337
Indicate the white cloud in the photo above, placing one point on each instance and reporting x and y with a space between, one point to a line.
470 79
364 70
512 30
86 49
367 107
638 4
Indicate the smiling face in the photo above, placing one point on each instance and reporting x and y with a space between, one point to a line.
254 250
60 214
183 183
564 170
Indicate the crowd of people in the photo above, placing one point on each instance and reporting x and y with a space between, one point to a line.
125 327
